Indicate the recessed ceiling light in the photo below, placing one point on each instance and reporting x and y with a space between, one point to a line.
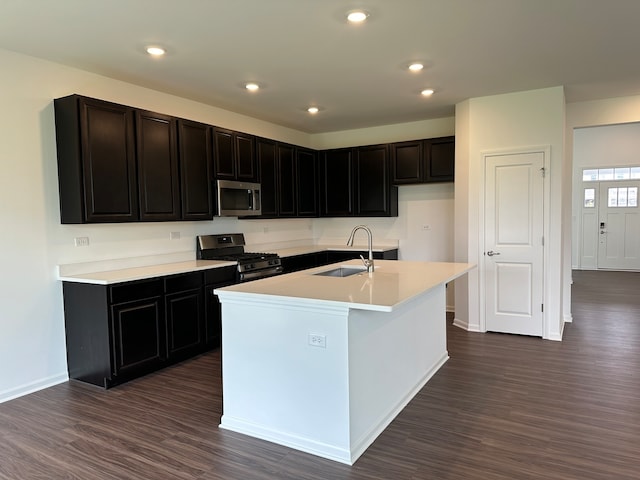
313 110
252 86
357 16
416 67
156 51
427 92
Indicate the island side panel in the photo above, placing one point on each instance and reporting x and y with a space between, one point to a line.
391 357
278 387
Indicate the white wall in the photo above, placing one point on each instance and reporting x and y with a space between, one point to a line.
502 122
609 145
32 345
440 127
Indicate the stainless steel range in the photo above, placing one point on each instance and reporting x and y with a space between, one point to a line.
251 266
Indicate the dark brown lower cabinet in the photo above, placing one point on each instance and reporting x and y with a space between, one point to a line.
137 336
185 315
296 263
215 278
118 332
343 255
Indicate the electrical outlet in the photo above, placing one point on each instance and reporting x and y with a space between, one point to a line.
318 340
81 241
174 235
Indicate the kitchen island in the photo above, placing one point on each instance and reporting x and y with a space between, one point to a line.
322 363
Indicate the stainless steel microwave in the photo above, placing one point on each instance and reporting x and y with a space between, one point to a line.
238 199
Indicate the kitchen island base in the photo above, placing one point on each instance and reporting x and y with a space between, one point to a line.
326 377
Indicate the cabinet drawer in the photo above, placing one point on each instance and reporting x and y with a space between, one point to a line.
127 292
180 283
226 275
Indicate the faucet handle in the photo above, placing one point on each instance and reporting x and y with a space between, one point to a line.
368 263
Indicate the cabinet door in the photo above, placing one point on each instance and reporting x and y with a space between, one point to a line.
215 278
108 162
302 262
334 256
185 323
336 183
213 325
440 159
286 181
246 170
157 159
184 314
266 153
224 154
307 182
407 162
194 140
138 336
373 186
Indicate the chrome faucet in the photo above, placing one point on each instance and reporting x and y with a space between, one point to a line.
367 262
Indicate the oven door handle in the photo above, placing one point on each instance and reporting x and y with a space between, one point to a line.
265 272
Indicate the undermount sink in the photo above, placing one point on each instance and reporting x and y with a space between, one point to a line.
341 272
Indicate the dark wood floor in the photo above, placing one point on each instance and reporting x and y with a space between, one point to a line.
503 407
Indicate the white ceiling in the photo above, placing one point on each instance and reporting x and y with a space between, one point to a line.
304 52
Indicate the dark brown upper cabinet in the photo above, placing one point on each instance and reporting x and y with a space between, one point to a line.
234 156
288 179
407 159
441 159
268 167
357 182
336 183
307 182
423 161
119 164
157 160
96 161
374 194
194 140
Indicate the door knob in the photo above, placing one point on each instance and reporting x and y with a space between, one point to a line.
491 253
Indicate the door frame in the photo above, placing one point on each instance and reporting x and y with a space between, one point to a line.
546 195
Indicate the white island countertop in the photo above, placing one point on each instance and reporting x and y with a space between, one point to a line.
390 285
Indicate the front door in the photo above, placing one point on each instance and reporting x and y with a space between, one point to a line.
619 226
514 252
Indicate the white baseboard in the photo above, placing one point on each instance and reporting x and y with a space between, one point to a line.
33 387
463 324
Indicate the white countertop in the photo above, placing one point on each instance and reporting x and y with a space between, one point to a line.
104 273
141 273
392 283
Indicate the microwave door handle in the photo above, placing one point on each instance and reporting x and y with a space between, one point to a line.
250 195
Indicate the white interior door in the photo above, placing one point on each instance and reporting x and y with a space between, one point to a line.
514 252
619 227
